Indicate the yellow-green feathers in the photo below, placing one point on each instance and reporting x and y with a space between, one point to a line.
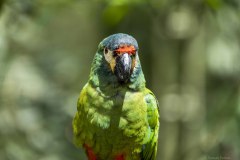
117 119
125 122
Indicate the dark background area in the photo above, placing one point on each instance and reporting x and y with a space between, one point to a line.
190 54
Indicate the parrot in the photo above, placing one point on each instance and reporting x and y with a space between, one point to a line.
117 117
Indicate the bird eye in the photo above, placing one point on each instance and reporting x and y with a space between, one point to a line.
105 51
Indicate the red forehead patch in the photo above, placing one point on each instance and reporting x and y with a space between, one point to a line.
126 49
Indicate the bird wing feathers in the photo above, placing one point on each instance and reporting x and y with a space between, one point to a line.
150 147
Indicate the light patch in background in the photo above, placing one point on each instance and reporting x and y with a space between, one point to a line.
181 23
15 151
184 106
69 103
171 109
23 79
41 139
27 119
223 57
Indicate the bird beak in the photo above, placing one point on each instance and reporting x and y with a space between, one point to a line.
123 67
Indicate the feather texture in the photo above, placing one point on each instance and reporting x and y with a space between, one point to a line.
114 120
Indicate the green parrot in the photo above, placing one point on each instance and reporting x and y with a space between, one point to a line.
117 116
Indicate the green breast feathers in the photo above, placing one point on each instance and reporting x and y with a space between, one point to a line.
121 123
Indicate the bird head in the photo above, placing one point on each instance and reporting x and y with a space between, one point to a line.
120 52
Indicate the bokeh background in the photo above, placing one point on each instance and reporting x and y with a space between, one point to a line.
190 54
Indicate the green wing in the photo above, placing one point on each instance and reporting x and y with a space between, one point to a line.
149 151
78 121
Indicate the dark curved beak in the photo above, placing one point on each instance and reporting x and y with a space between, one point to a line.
123 67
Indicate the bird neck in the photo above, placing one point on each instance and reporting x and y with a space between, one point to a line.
102 76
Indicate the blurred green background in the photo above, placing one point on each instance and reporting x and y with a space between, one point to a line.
190 54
